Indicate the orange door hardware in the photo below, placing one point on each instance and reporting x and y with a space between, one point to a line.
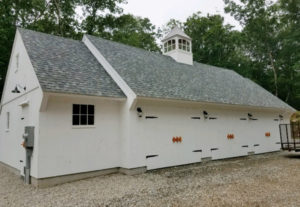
230 136
267 134
177 139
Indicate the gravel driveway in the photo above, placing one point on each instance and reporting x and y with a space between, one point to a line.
261 180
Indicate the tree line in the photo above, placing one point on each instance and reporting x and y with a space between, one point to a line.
266 50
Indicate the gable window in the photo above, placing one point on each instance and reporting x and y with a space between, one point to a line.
170 45
17 62
83 115
7 120
184 45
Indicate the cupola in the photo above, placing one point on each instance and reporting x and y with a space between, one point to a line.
178 45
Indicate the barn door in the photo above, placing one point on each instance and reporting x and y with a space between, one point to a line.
170 141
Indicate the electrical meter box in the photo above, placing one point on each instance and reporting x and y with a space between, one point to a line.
28 137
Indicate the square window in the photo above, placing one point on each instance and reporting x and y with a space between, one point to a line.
83 115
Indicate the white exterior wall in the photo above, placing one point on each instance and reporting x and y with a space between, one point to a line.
11 151
181 56
64 149
154 136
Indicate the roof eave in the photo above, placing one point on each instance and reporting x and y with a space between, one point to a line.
195 102
69 94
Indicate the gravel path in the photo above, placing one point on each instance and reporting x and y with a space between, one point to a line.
261 180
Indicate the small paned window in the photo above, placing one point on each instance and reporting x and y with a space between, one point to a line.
83 115
184 45
169 46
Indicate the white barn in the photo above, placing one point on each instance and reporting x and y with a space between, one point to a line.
99 107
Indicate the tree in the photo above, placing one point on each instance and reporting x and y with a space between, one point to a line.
135 31
272 36
96 20
290 53
212 42
261 25
14 13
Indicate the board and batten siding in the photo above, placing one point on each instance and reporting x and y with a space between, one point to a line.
67 149
154 136
124 140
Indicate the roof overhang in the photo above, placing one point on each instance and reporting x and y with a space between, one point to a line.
196 104
84 96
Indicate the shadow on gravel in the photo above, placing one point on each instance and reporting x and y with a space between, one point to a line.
293 156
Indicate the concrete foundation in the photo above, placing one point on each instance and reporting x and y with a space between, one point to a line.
133 171
52 181
251 153
11 169
206 159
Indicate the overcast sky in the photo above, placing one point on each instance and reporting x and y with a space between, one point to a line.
160 11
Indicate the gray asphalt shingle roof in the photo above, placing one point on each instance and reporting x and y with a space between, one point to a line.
154 75
67 66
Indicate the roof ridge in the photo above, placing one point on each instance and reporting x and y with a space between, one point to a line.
152 52
121 43
47 34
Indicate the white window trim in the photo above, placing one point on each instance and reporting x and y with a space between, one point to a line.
83 126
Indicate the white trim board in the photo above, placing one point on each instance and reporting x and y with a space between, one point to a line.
111 71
